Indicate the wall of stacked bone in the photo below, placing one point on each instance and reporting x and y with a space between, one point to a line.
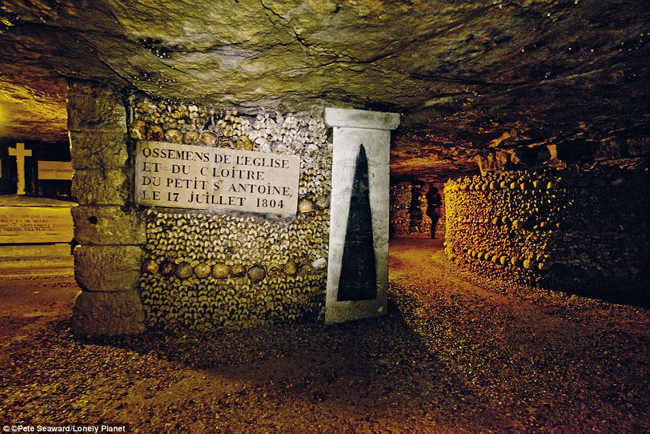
208 271
410 212
175 268
582 230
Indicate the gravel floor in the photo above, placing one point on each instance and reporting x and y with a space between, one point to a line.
451 357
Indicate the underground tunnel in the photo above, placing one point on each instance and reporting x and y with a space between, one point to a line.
325 216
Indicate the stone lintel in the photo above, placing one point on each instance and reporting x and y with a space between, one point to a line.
351 118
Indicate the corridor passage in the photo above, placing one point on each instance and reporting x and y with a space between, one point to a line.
547 361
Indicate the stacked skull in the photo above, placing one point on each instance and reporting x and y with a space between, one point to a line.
571 229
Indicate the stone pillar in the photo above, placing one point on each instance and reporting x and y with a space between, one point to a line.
360 176
106 225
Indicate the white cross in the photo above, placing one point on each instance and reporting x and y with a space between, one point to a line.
20 153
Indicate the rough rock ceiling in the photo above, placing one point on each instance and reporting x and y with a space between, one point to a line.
33 108
467 75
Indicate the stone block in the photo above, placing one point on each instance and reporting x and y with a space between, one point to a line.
95 108
98 150
108 225
351 118
107 314
107 268
100 187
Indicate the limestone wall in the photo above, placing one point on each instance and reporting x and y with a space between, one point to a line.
580 230
169 267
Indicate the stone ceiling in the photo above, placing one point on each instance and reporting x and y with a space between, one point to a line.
469 77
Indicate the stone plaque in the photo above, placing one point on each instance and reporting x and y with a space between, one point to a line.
59 170
21 225
201 177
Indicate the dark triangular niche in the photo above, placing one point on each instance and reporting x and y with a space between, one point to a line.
358 279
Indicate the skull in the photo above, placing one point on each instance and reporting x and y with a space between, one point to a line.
173 136
155 133
191 137
137 129
208 138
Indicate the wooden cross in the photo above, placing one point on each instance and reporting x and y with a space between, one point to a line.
20 153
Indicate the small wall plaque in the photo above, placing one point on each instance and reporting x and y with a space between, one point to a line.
23 225
55 170
201 177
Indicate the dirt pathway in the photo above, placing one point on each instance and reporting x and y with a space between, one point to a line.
29 302
453 357
544 360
